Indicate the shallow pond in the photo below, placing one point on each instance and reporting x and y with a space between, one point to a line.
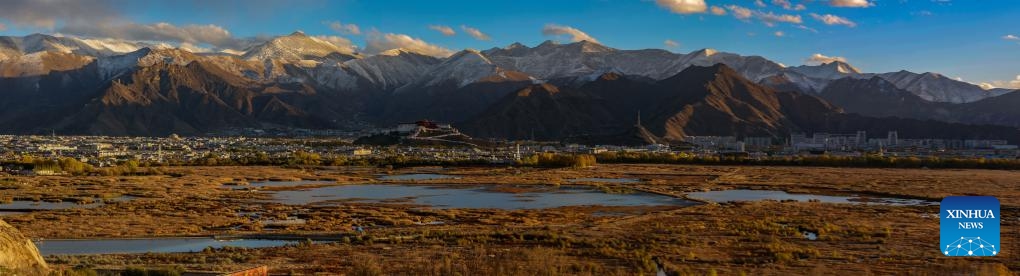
810 235
45 205
475 196
135 246
606 180
416 177
757 195
258 185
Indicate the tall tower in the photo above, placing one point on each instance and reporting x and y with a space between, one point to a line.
517 153
893 138
638 118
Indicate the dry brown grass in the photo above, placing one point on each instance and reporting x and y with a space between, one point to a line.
761 238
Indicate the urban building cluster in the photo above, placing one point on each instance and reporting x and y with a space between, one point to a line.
856 144
103 151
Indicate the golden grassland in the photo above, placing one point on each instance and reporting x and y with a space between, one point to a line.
752 238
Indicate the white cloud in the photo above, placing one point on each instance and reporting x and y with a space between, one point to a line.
782 3
770 19
851 3
806 28
759 3
445 30
106 19
739 12
818 59
671 44
479 35
829 19
341 42
195 34
1010 37
683 6
716 10
336 26
193 48
779 33
789 6
1010 84
575 34
379 42
47 14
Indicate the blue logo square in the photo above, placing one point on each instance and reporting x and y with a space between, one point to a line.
969 226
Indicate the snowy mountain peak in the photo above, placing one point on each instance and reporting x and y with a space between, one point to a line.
582 46
338 67
111 46
842 67
39 42
938 88
707 52
827 71
400 52
394 52
468 56
547 44
11 46
464 67
516 45
294 47
590 47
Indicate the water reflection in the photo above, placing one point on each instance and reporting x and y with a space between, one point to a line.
757 195
475 196
416 177
606 180
135 246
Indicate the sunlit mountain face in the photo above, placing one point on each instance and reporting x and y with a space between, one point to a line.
107 71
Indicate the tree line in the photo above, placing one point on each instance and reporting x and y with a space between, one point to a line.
71 166
865 161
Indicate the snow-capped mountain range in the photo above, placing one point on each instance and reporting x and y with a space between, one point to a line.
317 60
111 87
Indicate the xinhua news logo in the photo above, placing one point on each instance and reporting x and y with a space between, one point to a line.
970 226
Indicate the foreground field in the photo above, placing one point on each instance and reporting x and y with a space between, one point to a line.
753 238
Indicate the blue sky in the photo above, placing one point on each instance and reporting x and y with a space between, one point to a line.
959 38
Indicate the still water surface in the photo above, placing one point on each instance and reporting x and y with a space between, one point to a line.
757 195
415 177
474 196
135 246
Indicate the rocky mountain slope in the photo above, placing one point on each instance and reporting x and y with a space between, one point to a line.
97 86
701 101
879 97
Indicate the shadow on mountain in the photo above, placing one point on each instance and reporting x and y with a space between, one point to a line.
700 101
